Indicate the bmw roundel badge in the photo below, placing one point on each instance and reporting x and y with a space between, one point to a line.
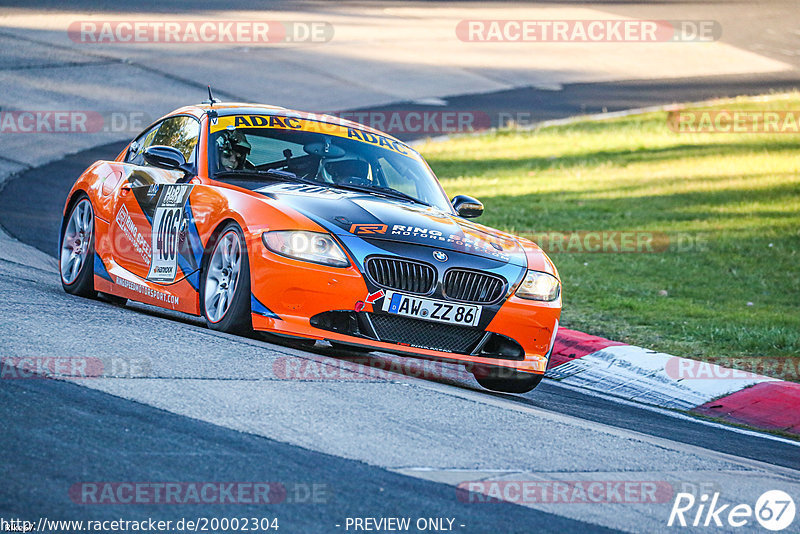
439 255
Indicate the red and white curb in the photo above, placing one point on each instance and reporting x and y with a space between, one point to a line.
659 379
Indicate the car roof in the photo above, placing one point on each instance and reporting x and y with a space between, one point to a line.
239 108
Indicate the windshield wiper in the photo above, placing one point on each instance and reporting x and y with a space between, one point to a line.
385 191
274 174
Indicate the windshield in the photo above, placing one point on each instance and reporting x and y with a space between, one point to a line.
327 154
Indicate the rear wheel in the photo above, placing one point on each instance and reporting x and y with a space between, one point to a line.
76 261
506 380
225 285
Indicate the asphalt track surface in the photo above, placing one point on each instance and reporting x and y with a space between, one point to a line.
30 208
56 430
378 431
209 407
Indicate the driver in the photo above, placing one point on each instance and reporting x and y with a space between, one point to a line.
233 149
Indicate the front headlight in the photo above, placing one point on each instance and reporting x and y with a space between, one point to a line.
539 286
307 246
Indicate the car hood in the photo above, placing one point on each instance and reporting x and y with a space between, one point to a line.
375 218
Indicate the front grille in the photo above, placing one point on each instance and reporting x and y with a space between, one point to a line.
472 286
402 275
425 334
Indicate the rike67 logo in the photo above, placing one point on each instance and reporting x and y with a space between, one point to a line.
774 510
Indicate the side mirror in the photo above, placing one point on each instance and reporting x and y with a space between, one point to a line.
165 157
467 207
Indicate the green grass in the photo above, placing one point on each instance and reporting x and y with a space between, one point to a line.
735 197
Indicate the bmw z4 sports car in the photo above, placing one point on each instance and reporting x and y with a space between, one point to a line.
309 227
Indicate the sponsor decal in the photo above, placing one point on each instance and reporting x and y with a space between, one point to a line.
328 125
168 223
373 297
271 121
378 140
361 229
133 234
461 241
302 189
148 291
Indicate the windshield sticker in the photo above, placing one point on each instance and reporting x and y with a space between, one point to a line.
379 140
307 125
302 189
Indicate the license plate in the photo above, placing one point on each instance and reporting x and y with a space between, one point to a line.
431 310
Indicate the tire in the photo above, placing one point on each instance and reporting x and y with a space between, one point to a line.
506 380
225 283
76 254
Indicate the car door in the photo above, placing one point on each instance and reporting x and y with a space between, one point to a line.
149 204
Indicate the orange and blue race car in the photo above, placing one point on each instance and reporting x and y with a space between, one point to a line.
309 227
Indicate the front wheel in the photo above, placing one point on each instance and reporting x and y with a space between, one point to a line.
225 285
76 258
506 380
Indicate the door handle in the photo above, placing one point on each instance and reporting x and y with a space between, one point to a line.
125 189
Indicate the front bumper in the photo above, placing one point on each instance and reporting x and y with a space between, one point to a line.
318 302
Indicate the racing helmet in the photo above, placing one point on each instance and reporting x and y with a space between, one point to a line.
233 143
